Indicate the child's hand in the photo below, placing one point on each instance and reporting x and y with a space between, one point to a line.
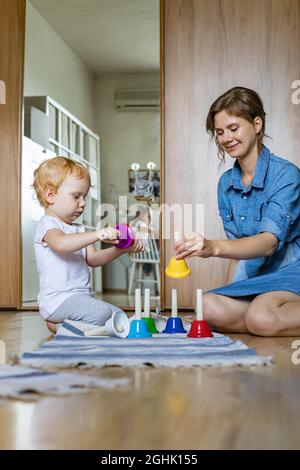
136 247
108 235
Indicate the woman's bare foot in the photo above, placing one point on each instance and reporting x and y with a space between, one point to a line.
51 326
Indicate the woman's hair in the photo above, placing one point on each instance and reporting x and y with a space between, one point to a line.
51 173
241 102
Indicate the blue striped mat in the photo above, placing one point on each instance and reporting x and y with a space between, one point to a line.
159 351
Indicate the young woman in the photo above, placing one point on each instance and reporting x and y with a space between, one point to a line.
259 202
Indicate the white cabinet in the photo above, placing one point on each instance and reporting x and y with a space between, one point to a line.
33 154
67 137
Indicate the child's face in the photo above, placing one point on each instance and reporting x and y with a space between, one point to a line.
69 201
235 135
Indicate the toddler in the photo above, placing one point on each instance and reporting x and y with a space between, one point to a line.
64 251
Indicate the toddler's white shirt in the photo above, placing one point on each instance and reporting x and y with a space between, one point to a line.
60 275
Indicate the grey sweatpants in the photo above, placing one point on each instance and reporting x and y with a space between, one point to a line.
83 307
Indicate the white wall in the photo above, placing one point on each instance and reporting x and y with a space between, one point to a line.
127 136
52 68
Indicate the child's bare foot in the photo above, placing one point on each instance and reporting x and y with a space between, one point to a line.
51 326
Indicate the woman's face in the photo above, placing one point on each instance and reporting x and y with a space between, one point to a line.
235 135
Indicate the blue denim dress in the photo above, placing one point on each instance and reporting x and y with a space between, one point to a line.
271 203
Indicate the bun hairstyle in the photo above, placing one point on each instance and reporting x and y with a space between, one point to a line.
241 102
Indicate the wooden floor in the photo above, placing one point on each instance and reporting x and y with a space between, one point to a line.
236 408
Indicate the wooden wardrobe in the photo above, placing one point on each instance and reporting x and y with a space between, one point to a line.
208 47
12 32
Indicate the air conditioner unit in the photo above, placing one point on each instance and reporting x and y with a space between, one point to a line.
137 99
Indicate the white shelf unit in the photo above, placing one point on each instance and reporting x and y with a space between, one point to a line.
70 137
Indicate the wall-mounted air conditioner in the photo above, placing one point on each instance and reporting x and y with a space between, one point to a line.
137 99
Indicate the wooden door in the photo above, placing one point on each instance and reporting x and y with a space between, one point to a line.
12 28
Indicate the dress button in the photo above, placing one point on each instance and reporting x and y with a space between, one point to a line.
244 197
242 218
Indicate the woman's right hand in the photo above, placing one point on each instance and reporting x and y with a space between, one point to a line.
194 244
108 235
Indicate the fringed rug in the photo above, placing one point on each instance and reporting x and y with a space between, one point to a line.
27 384
160 351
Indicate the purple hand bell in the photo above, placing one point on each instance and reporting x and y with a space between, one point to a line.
126 236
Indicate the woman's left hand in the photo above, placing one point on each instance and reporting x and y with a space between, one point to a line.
193 244
136 247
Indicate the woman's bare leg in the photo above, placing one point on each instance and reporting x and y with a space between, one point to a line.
274 314
226 314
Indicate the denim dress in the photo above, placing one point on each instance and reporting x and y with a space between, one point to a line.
271 203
